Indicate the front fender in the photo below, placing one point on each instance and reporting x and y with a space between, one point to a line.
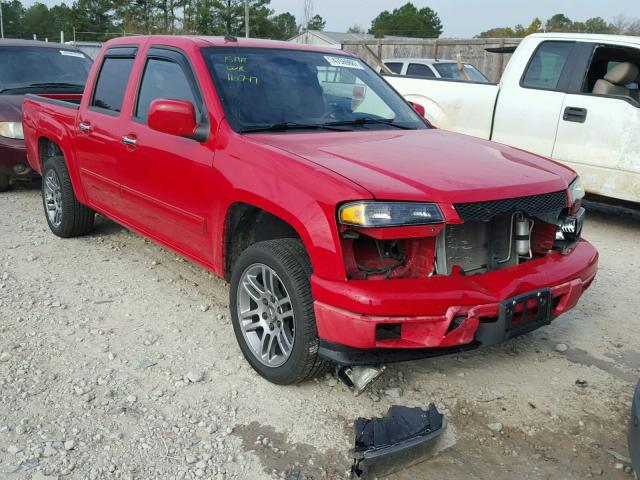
299 192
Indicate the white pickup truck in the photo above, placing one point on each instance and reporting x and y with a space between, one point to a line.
570 97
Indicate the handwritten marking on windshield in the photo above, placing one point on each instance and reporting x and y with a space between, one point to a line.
236 71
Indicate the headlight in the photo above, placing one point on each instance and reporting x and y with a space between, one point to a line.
389 214
576 191
11 130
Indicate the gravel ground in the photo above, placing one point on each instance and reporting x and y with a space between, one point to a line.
117 360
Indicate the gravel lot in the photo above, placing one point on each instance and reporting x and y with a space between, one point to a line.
117 360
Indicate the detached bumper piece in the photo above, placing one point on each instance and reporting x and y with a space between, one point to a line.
404 437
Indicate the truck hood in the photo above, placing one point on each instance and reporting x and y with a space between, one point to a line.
426 165
11 108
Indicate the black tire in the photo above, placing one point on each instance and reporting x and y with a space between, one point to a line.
289 259
76 219
4 182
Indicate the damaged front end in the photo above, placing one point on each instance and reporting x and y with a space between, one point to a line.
401 240
425 279
404 437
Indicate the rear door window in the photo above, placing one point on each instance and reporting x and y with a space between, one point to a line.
112 83
395 67
545 68
420 70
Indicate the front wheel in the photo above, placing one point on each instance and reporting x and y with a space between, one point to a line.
4 182
272 311
66 216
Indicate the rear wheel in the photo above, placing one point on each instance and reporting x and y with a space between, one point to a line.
4 182
272 311
65 215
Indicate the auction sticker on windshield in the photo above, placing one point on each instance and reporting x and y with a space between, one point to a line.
344 62
67 53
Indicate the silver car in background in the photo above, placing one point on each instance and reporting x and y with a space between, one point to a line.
435 68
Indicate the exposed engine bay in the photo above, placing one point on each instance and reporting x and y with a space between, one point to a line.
493 236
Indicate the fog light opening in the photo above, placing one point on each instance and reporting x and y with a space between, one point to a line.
388 331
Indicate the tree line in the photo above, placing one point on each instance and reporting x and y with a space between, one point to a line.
103 19
621 25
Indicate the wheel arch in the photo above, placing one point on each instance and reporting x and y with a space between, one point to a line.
246 224
48 148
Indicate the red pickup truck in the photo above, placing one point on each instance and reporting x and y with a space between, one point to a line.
351 231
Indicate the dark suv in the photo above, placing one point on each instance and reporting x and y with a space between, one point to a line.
28 66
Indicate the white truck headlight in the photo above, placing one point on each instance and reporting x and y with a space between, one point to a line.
389 214
576 191
11 130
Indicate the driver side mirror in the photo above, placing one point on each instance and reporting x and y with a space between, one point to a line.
175 117
418 108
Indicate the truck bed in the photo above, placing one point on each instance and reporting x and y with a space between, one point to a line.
47 113
459 106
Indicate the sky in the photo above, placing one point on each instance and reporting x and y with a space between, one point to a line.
462 18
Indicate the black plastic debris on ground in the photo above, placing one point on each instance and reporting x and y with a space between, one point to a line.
404 437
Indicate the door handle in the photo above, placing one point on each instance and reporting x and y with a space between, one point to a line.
84 127
575 114
129 141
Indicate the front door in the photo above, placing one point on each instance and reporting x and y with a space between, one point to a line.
598 134
167 186
527 113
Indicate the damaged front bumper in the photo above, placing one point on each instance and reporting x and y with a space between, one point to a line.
379 321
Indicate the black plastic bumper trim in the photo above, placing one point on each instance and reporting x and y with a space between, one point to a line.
344 355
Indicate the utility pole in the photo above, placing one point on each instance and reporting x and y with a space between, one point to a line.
246 18
1 22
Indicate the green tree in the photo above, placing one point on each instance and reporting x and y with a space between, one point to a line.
35 21
355 29
284 27
559 23
518 32
407 21
598 25
60 19
316 23
95 16
12 16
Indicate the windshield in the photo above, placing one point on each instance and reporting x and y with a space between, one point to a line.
261 89
25 69
450 70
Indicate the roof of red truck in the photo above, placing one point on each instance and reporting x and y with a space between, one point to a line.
204 41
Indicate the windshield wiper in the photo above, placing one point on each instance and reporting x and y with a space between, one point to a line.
371 120
44 85
282 126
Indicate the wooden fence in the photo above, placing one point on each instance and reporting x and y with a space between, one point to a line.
471 51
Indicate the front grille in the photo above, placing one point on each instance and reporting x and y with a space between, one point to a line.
531 205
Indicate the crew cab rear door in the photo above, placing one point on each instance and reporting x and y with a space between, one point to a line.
167 185
598 134
99 128
528 108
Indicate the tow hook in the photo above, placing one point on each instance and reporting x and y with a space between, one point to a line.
358 378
